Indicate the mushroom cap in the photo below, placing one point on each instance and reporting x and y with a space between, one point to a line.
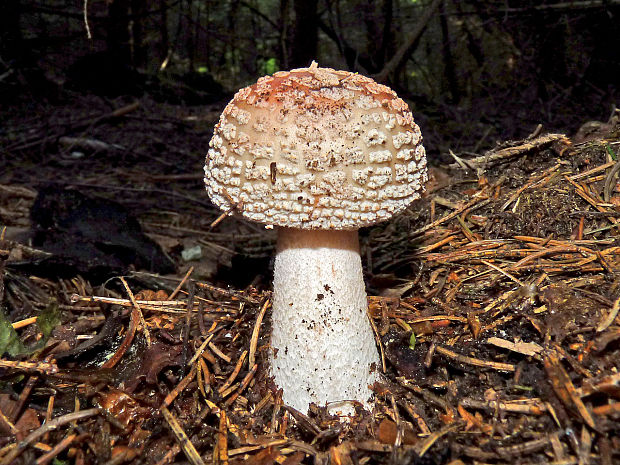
316 148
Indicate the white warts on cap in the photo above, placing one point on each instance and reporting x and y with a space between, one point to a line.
316 148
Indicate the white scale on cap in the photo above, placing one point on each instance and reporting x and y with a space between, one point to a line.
316 148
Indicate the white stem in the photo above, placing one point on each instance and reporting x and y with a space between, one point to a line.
323 345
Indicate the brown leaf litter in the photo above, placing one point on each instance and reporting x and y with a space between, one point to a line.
506 273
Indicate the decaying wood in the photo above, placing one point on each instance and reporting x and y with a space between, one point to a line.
503 154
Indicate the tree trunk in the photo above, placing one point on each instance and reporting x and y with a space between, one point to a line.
138 12
163 30
305 33
118 32
12 47
446 51
190 44
386 38
283 49
401 56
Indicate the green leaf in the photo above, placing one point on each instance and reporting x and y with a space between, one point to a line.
9 340
611 152
10 343
48 319
412 341
270 66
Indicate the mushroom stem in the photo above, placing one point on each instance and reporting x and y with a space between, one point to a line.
323 346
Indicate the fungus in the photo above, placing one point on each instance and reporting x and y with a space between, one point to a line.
318 153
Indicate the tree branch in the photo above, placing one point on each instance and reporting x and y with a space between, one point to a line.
405 50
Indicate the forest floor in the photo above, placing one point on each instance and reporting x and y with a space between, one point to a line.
495 300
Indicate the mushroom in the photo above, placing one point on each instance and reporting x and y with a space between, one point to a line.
318 153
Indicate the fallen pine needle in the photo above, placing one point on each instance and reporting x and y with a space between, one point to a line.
475 361
180 285
51 426
58 448
186 445
611 316
525 348
145 329
256 332
23 323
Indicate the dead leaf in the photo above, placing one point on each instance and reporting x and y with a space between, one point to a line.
341 454
294 459
387 433
28 421
564 387
124 408
525 348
